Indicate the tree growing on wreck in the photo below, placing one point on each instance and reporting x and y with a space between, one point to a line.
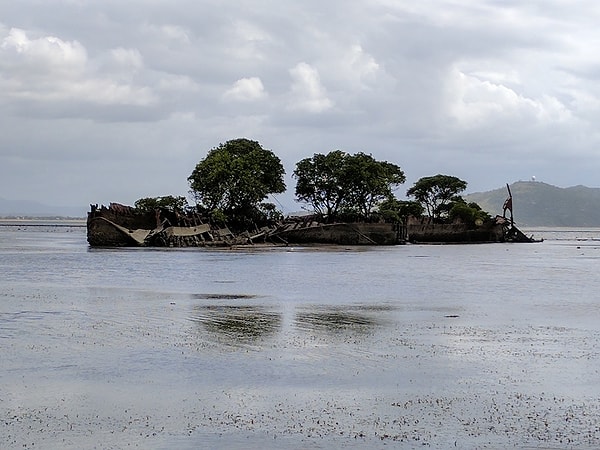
319 182
469 213
437 194
396 210
234 178
369 182
167 202
341 184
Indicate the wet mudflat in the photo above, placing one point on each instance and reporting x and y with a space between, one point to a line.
487 346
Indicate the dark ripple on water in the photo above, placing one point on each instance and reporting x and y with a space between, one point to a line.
14 323
339 319
223 296
236 325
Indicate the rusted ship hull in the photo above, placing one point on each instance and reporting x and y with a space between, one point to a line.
123 226
119 226
345 233
454 233
497 230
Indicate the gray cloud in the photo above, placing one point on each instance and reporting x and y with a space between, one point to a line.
106 100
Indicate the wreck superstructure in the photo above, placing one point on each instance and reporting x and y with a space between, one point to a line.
124 226
120 225
502 228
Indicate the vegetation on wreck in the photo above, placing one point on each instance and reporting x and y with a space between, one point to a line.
338 185
231 184
439 195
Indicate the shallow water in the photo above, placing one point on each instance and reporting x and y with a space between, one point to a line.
481 346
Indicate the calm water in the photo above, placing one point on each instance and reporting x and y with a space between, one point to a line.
482 346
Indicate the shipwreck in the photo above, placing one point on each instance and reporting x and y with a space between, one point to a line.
501 228
125 226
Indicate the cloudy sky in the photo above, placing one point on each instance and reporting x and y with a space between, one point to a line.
104 100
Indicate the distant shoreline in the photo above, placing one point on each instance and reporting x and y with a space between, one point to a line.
43 221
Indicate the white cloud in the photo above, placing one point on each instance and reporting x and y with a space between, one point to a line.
349 68
176 33
128 58
362 64
476 103
308 94
247 41
49 54
105 92
246 89
177 83
49 69
509 77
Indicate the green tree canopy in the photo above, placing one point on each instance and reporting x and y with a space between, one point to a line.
339 182
236 177
436 193
369 182
165 202
469 213
394 209
319 182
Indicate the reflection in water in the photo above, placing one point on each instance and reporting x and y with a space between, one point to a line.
338 320
237 325
222 296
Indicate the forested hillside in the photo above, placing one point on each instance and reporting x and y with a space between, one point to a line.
540 204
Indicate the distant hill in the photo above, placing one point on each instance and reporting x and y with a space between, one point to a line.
540 204
12 208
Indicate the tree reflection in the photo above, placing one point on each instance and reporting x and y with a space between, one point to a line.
338 320
237 325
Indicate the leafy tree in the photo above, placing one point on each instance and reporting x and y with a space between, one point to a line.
167 202
339 182
269 212
395 209
469 213
319 182
235 177
368 182
436 193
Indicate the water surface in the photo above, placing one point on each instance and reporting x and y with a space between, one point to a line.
480 346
